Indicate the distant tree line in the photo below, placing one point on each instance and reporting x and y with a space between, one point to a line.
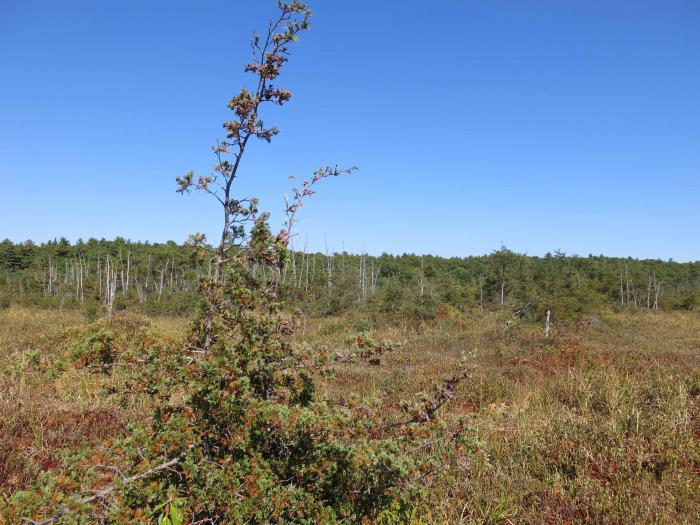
160 277
163 278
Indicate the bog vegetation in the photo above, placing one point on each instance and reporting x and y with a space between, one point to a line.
597 423
334 388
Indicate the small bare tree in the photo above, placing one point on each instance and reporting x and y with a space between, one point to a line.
270 53
241 215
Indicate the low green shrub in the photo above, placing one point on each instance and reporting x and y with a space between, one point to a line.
96 351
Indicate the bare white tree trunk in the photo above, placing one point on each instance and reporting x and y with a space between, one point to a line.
50 289
162 278
329 270
82 286
121 271
111 288
128 266
422 277
656 296
374 277
99 277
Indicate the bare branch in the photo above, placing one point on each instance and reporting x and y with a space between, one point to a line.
104 493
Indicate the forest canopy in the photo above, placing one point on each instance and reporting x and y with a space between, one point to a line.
163 278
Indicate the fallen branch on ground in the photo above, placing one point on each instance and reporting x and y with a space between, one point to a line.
426 412
517 314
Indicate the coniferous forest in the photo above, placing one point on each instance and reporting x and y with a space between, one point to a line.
163 278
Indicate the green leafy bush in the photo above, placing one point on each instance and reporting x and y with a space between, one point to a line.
243 434
96 351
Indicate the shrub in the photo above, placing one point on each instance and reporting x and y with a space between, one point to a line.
242 432
363 347
96 351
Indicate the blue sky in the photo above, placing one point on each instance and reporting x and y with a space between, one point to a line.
541 124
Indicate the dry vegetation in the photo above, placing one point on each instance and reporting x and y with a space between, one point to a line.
599 423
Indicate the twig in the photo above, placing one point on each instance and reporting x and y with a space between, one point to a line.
102 494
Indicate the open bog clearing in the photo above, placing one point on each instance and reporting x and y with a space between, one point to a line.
598 423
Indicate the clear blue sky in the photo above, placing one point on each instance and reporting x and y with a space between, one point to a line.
542 124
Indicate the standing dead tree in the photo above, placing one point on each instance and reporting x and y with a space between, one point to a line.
299 194
110 288
374 276
329 270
